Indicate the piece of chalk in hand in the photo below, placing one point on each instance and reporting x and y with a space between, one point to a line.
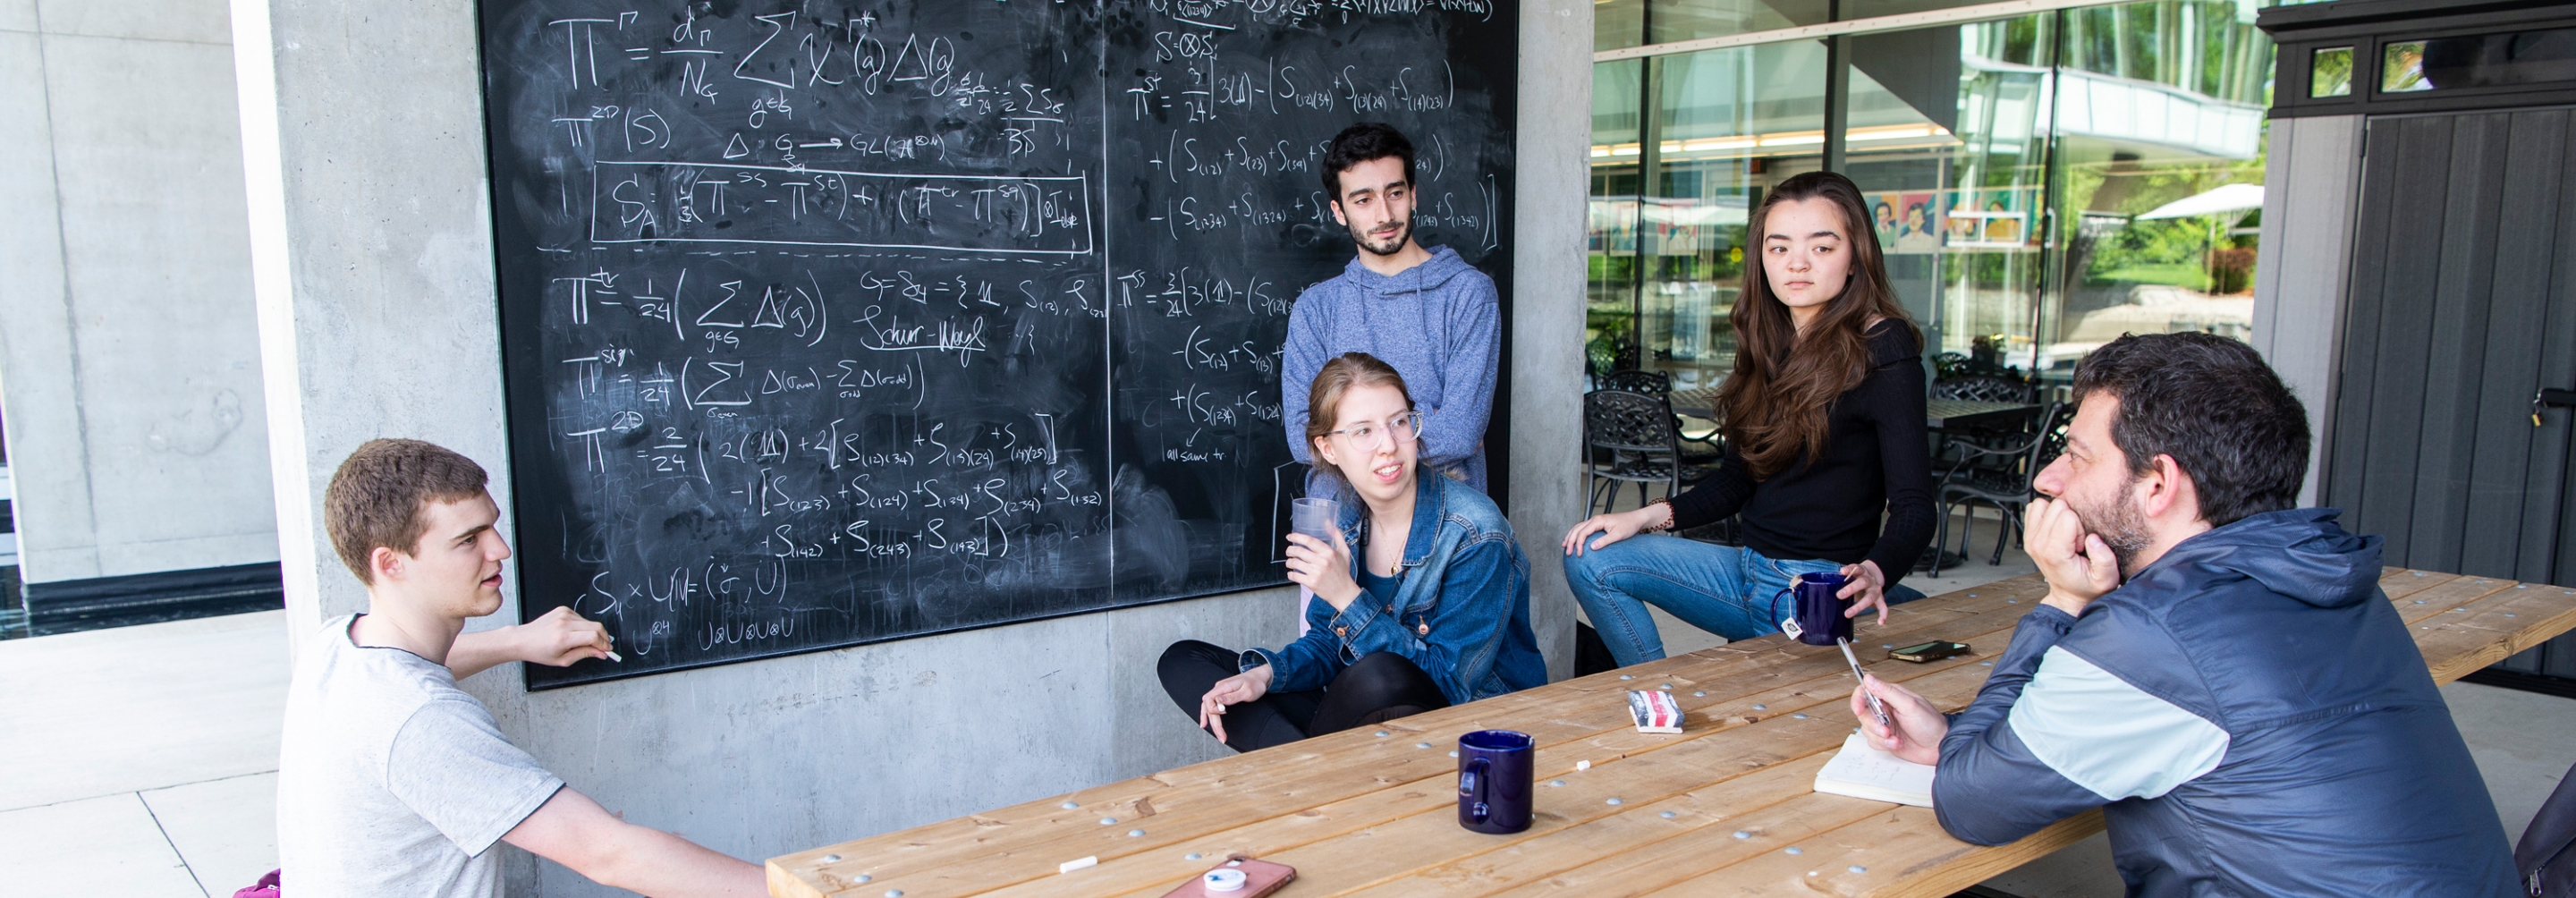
612 656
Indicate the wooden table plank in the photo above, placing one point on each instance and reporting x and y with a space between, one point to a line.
1307 770
1334 804
1823 692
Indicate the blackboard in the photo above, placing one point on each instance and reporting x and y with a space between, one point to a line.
826 324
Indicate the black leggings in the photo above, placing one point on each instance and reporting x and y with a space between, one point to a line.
1381 687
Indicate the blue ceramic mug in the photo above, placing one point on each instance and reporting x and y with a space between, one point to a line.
1494 780
1815 611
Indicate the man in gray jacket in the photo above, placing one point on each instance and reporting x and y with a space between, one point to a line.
2215 669
1424 311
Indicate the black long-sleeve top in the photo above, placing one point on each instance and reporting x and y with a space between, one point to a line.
1875 457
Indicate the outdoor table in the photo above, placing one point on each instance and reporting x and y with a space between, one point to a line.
1963 414
1727 804
1938 414
1700 403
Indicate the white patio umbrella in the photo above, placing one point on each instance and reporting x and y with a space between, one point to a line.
2230 198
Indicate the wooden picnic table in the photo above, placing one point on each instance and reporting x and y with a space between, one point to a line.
1718 807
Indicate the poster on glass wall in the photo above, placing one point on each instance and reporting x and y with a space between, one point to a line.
1908 221
1989 218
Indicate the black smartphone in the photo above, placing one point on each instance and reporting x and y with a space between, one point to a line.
1930 651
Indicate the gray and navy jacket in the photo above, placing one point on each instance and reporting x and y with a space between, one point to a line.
2252 717
1438 323
1461 613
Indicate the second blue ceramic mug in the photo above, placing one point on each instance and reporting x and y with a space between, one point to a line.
1494 780
1816 608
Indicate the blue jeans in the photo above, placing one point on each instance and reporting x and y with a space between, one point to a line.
1722 589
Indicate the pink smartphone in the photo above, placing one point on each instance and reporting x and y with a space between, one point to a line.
1259 878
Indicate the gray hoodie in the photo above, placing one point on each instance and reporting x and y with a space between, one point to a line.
1439 323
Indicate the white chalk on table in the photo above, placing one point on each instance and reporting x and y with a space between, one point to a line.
1072 865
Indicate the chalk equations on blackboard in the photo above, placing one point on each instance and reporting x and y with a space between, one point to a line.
827 324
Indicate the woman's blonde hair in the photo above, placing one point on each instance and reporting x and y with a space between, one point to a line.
1350 369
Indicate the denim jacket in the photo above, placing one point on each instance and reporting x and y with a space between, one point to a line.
1461 613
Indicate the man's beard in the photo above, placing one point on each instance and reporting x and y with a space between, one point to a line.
2119 525
1393 245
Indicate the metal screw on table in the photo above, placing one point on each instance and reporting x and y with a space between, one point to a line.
894 893
1626 677
865 877
1793 849
1614 801
1699 695
1105 821
1762 707
831 859
1135 833
1192 856
1070 805
1668 815
1556 782
1740 834
1422 745
1797 716
1381 734
1856 868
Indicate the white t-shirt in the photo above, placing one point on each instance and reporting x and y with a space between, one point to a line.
392 782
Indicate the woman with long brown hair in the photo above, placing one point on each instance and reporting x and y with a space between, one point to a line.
1824 434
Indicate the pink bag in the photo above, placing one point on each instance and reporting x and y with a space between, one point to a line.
266 887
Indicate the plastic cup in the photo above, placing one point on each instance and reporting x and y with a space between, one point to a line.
1318 518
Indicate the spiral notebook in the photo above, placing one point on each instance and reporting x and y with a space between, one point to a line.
1861 771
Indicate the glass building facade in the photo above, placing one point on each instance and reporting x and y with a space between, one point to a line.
2040 184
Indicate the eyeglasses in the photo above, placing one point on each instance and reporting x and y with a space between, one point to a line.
1368 435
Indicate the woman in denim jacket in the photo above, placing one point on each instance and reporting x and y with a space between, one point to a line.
1425 596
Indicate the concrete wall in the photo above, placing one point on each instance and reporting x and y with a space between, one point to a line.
2311 192
1554 155
372 250
129 367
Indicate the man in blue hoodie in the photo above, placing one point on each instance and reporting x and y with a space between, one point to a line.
1424 311
2215 669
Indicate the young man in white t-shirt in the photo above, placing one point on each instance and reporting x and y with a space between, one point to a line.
392 781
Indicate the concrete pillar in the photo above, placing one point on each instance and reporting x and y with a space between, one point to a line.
372 252
1548 272
2311 191
131 377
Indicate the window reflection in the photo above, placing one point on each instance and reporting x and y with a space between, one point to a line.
2330 73
2038 185
2481 60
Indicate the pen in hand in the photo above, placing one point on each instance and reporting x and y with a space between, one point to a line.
1874 706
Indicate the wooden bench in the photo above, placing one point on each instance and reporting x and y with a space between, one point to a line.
1718 807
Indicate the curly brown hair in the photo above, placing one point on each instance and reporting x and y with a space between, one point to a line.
380 493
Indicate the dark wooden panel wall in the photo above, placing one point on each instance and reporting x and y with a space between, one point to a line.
2463 305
